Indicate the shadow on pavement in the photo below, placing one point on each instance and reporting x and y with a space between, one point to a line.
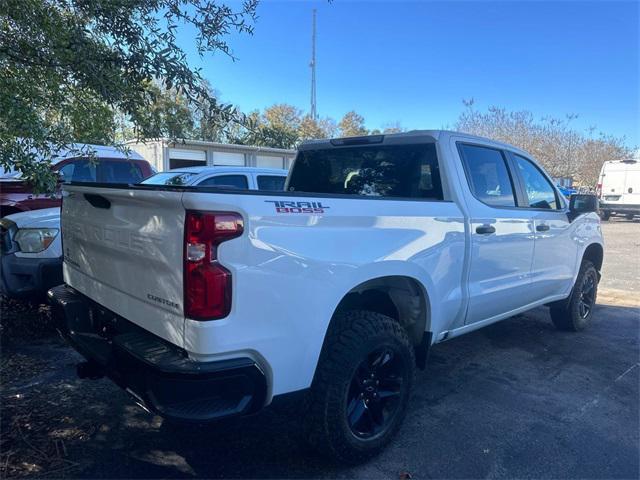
516 399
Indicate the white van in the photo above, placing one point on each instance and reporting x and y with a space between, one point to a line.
619 188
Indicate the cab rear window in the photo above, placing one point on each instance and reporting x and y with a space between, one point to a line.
405 171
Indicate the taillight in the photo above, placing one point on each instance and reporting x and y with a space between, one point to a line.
599 190
207 284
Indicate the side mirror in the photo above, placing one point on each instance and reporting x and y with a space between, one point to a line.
582 203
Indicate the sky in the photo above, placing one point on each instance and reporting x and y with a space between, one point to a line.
414 62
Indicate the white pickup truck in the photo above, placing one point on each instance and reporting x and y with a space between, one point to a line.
211 303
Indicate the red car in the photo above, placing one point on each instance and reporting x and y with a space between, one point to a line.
112 166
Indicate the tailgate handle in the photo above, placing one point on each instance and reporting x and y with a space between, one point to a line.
97 201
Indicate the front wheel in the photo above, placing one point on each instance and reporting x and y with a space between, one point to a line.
574 314
360 392
605 215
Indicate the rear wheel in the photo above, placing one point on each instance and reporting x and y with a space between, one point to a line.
360 392
574 314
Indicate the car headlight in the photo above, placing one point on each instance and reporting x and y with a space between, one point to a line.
34 240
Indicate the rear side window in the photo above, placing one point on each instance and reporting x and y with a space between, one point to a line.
488 175
273 183
226 181
407 171
540 192
170 178
78 171
102 171
119 172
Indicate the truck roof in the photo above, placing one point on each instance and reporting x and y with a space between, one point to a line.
77 150
434 135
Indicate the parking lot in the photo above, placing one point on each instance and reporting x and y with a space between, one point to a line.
516 399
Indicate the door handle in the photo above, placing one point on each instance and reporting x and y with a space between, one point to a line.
542 228
485 229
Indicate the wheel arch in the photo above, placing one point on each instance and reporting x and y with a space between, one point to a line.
8 210
595 254
400 297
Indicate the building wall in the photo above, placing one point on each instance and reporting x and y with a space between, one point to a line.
159 154
151 152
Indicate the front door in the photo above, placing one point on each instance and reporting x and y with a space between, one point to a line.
555 253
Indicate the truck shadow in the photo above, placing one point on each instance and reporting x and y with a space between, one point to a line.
478 396
514 365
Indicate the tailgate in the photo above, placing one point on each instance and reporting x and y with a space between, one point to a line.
123 249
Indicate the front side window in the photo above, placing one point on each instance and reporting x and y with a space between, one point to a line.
540 192
406 171
488 175
272 183
226 181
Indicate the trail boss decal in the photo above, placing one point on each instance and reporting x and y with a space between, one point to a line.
298 207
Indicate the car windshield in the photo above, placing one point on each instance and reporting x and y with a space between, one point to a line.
169 178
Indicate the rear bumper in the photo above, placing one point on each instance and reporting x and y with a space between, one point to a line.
157 374
620 208
23 277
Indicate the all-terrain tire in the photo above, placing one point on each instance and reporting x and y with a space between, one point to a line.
354 337
574 314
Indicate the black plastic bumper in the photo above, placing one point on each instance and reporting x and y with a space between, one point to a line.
29 277
157 374
621 209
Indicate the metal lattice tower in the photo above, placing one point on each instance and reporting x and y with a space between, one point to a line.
314 113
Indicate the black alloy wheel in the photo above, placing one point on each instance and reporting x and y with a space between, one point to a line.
374 394
587 295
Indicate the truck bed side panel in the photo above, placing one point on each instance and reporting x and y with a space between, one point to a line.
291 269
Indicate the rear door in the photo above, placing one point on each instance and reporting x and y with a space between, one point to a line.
614 180
502 235
632 184
124 249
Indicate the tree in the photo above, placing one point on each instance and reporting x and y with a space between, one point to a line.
276 127
393 127
168 115
211 124
563 151
312 129
352 125
87 117
55 53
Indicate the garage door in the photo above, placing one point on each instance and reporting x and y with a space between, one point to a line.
182 157
228 158
269 162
